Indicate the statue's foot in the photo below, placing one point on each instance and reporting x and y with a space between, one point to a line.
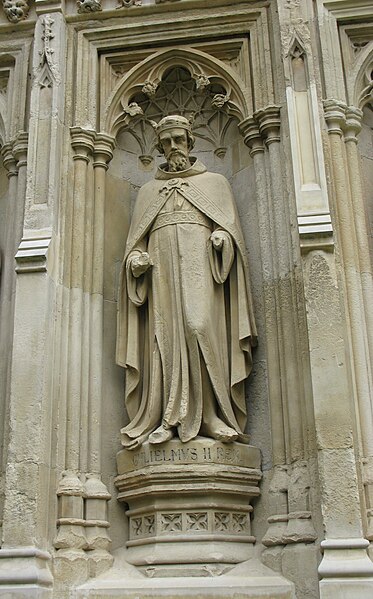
161 435
217 429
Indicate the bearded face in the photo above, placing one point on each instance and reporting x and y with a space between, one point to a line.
175 147
177 161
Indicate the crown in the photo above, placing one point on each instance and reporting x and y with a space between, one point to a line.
171 121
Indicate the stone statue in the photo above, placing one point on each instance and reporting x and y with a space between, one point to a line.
185 318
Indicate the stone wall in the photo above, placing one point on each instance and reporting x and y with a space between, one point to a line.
281 97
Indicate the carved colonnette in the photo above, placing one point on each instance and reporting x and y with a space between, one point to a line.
290 521
325 292
343 126
82 495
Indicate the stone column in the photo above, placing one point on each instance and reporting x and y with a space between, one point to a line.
250 131
7 305
82 540
290 519
95 492
71 539
358 275
352 127
344 547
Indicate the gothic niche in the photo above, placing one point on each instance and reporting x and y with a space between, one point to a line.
173 508
205 103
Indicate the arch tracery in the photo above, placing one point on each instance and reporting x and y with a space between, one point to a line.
208 74
363 81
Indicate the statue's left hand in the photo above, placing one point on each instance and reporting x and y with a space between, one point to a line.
217 238
140 263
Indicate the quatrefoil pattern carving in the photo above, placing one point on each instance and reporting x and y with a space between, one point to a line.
149 524
171 522
197 521
185 522
222 521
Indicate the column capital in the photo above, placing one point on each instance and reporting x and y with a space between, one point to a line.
9 160
269 123
103 149
352 125
82 141
20 148
249 130
70 484
335 115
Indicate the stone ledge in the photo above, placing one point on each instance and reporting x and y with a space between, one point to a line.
189 505
249 580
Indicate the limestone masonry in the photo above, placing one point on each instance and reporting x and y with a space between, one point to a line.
186 292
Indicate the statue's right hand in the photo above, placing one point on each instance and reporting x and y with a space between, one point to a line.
140 264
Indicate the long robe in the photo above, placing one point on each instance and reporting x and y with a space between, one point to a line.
186 326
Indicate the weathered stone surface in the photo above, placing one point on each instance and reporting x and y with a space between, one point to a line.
189 505
280 95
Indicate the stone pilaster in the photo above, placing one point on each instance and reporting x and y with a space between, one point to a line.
290 520
344 548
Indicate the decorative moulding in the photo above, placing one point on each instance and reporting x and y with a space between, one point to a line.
205 70
32 254
47 70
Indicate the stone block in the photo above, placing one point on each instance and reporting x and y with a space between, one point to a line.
189 505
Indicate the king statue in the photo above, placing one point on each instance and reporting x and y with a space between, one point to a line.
185 317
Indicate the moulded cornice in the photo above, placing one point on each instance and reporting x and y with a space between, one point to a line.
32 254
157 10
349 9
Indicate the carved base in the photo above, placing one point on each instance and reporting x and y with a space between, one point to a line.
189 505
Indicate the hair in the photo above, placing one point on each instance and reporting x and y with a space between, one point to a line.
190 138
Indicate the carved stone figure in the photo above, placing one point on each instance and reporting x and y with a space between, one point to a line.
16 10
88 6
185 318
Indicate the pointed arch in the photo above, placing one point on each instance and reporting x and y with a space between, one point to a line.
204 69
363 81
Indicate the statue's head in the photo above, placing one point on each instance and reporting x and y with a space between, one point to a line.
175 140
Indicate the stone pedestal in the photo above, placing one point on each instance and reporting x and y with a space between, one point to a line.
189 505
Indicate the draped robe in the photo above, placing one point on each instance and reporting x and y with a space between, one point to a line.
186 326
